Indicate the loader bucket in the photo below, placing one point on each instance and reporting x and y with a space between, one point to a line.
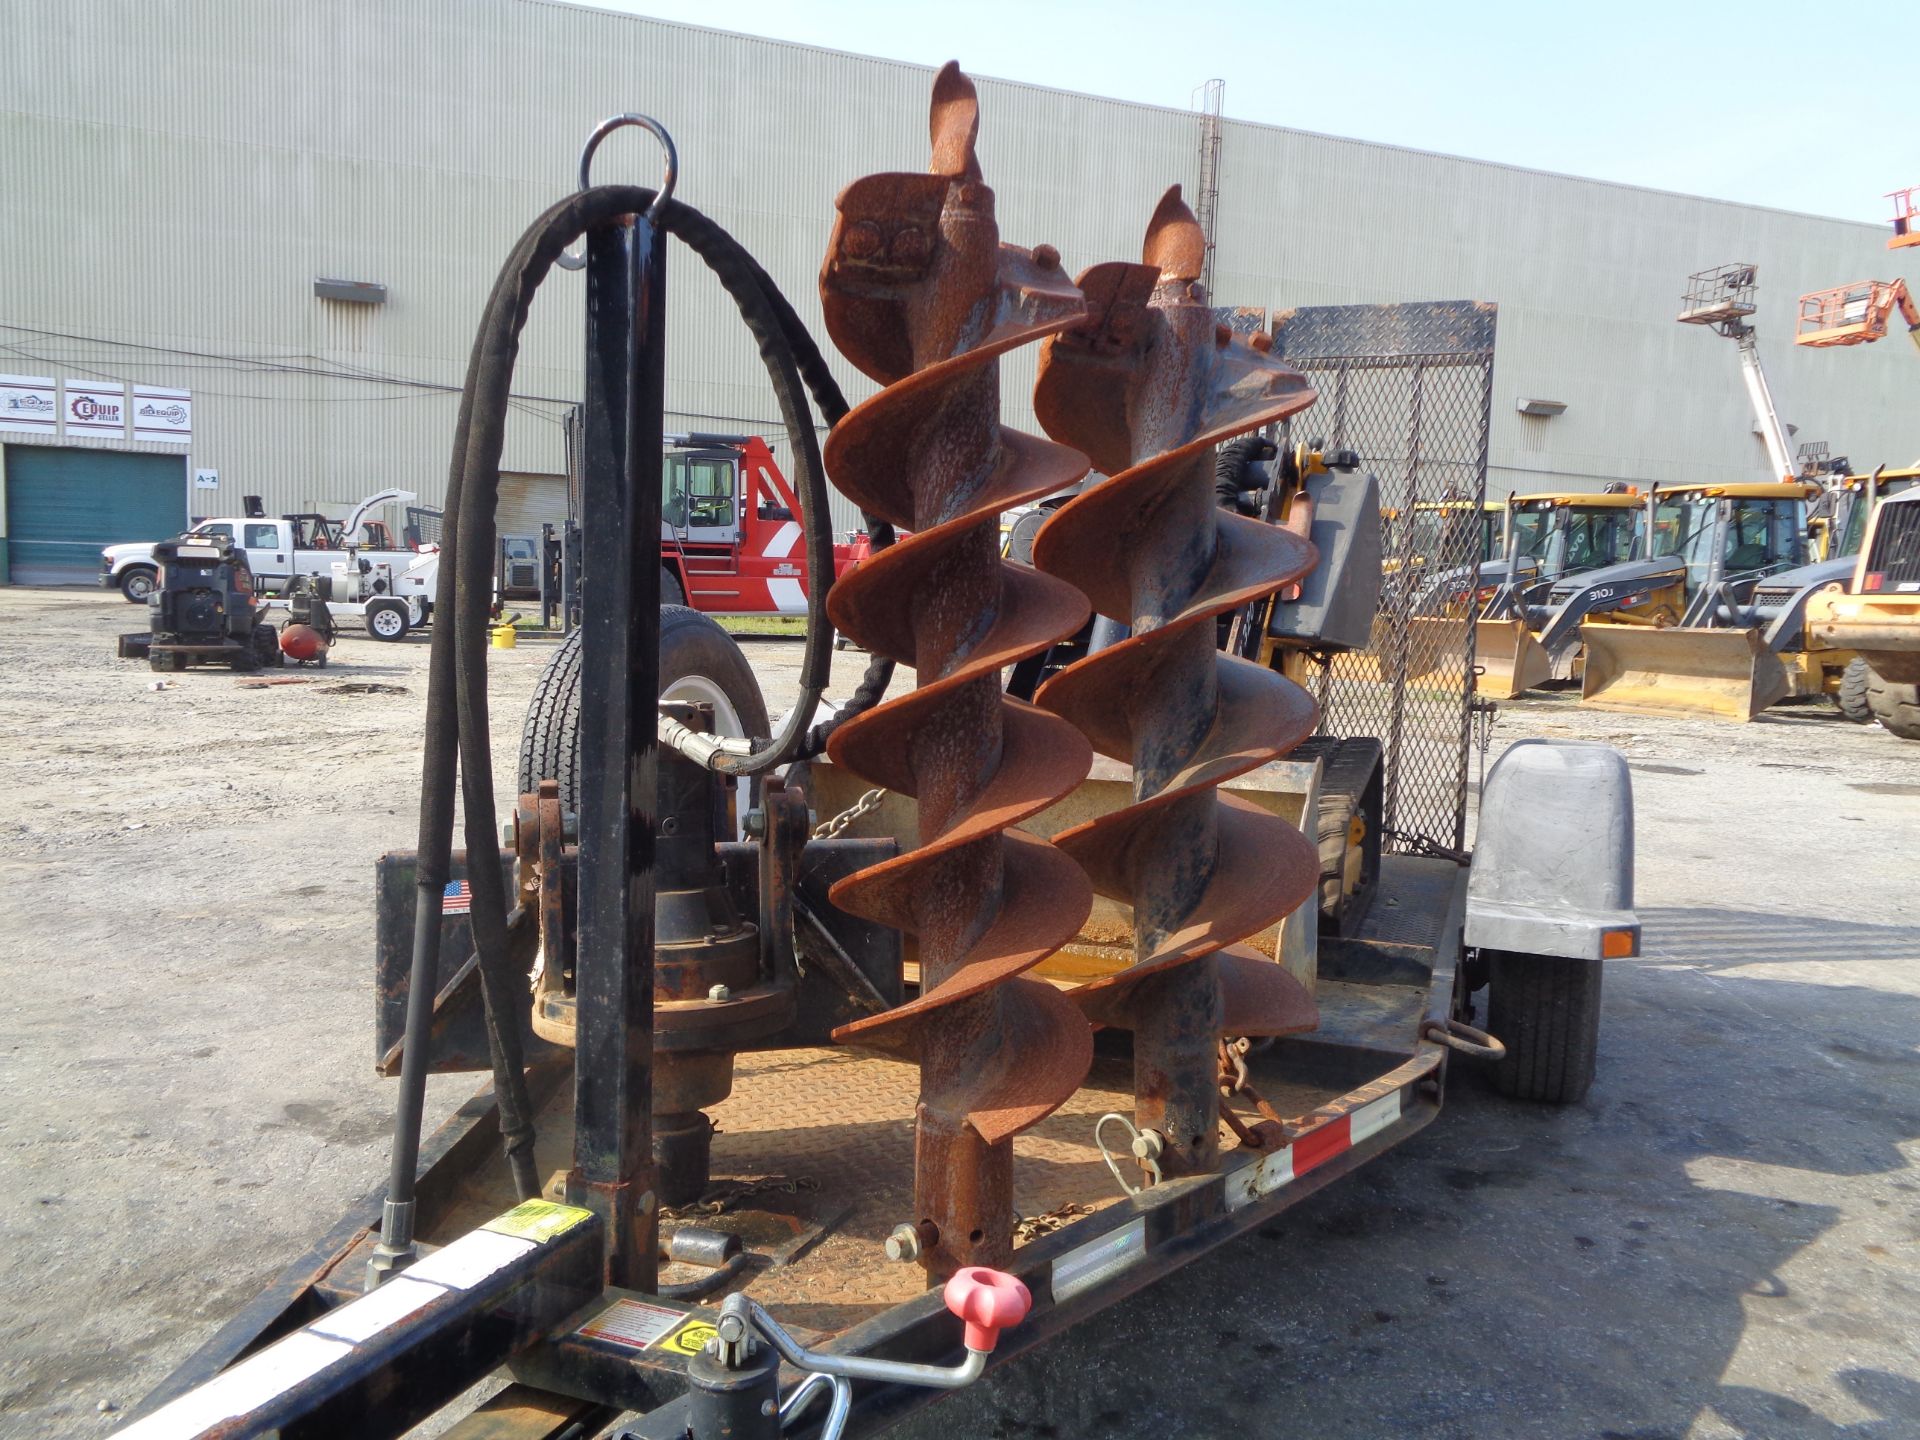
1720 674
1510 659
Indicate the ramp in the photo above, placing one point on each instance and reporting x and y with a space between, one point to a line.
1718 674
1511 661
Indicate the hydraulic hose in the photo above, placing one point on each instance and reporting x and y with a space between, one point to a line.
457 745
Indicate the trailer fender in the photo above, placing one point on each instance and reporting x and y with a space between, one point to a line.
1552 870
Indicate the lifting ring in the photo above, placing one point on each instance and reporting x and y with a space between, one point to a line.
569 260
652 127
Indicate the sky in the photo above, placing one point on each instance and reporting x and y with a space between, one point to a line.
1803 106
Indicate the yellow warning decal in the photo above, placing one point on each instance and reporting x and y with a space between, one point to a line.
690 1339
538 1220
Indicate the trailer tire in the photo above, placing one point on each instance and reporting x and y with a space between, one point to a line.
387 620
698 661
1546 1010
1894 705
1852 696
672 592
136 583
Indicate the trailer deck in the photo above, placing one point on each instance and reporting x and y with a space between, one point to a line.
817 1146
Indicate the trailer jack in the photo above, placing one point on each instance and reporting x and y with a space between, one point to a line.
735 1379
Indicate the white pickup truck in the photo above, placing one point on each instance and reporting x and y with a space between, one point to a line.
277 550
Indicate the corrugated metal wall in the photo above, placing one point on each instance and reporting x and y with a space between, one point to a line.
180 171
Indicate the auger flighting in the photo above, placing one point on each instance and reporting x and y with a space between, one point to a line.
1147 388
922 296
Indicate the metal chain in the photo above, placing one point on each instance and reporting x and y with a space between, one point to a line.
1421 845
830 829
1031 1227
732 1195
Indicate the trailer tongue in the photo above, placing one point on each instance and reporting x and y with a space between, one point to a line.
816 1116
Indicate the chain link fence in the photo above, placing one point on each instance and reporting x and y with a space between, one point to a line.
1410 388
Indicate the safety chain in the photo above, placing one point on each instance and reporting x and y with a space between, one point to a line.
734 1194
1032 1227
1421 845
830 829
1486 714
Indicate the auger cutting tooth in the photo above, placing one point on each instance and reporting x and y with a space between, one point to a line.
1147 386
920 294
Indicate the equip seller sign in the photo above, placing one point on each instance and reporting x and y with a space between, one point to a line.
27 403
96 409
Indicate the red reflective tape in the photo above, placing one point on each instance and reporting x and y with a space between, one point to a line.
1318 1146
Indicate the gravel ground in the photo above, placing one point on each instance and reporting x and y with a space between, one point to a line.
1723 1241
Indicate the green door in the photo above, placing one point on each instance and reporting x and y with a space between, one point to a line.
63 505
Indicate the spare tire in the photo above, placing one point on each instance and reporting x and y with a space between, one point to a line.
698 662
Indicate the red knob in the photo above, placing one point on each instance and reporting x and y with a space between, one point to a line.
989 1301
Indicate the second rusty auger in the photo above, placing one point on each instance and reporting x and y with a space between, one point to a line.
920 294
1148 387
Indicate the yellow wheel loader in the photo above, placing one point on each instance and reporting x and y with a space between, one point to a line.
1550 539
1723 657
1876 615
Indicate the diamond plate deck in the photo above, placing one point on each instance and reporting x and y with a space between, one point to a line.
841 1123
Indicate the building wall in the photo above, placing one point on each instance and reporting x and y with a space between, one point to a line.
180 171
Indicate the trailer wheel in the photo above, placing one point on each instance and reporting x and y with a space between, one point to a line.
1546 1010
1852 698
387 620
672 592
136 583
698 662
1894 705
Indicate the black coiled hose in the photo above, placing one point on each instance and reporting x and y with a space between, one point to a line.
458 741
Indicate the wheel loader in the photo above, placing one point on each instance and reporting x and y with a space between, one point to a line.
1550 538
1812 665
1718 655
1876 614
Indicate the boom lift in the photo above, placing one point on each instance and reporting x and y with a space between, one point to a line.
1904 211
1722 299
1722 658
1855 314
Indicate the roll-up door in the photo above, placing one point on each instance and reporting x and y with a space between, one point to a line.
64 504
